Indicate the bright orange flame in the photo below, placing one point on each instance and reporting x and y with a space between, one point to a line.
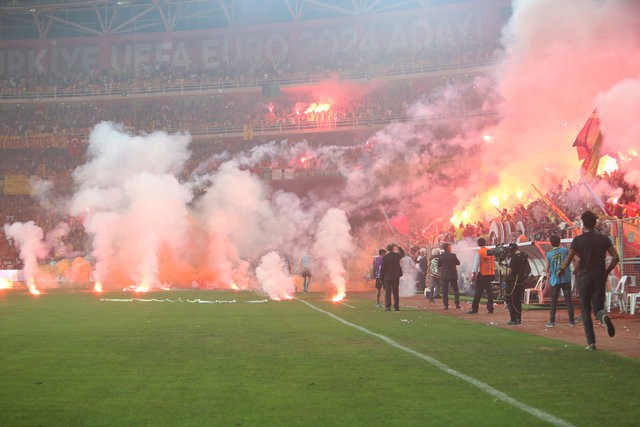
98 287
32 287
142 287
317 108
233 286
5 283
607 165
338 298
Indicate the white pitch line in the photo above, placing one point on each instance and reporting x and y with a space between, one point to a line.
344 303
435 362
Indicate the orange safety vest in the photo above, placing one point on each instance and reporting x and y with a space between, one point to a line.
487 263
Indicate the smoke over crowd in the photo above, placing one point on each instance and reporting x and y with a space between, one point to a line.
558 62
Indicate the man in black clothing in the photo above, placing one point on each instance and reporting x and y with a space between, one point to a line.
592 248
390 273
449 276
515 284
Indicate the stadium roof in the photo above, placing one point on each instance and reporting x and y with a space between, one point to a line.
30 19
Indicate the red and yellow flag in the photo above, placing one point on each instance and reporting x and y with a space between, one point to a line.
588 143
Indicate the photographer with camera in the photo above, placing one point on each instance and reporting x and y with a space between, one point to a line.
517 272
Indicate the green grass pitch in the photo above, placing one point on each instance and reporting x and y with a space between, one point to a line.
70 359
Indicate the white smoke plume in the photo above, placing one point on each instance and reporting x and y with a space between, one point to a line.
28 237
54 239
274 277
244 219
333 244
133 204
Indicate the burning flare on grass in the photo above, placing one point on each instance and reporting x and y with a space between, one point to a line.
31 284
333 244
5 283
142 287
98 287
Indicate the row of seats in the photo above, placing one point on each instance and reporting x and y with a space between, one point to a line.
623 293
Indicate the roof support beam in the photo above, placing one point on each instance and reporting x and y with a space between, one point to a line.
295 9
333 8
225 10
74 25
132 19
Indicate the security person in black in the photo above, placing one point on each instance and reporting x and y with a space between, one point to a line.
516 272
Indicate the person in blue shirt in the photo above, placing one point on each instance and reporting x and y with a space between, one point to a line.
562 282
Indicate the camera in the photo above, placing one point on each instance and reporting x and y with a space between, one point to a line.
502 252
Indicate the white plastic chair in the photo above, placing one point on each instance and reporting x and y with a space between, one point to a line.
633 301
617 294
538 290
633 295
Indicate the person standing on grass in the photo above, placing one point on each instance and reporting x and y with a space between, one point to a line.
434 274
449 276
390 273
484 271
421 265
306 263
592 248
555 258
516 275
377 266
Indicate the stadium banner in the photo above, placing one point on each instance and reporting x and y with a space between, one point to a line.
460 26
42 140
17 185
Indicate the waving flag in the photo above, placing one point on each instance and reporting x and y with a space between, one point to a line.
588 143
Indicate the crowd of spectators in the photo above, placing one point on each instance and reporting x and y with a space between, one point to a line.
253 71
215 114
538 221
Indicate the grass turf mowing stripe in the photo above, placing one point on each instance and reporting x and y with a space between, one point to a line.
443 367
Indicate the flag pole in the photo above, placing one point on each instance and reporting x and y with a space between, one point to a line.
555 207
596 198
